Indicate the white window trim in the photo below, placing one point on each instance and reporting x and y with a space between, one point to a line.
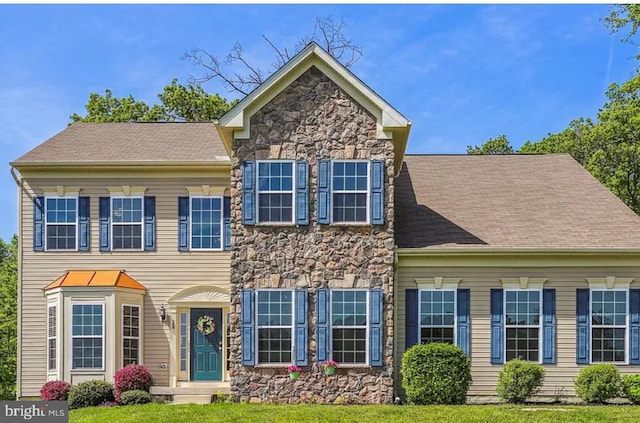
292 192
367 192
72 337
626 327
366 326
258 327
455 313
539 326
112 223
221 222
76 224
123 337
54 338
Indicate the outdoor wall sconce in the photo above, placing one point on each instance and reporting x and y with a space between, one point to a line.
163 314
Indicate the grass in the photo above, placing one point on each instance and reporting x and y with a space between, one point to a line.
259 413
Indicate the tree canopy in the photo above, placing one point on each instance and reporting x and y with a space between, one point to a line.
178 103
8 317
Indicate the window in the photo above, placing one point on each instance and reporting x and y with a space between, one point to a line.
350 188
608 326
437 316
275 192
275 326
61 221
130 334
127 214
52 327
206 223
349 326
87 336
183 341
522 324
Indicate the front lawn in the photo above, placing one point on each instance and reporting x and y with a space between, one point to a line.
257 413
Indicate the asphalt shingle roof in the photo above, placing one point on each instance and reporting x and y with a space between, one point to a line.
512 201
130 142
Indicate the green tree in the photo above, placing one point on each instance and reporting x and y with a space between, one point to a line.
498 145
8 317
178 103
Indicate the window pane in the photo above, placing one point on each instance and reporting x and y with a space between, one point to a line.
522 308
127 237
206 223
274 345
608 344
522 343
349 345
348 308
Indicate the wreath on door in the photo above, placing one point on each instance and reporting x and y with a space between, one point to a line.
206 325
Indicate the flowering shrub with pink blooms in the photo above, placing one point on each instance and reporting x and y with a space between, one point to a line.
55 390
131 378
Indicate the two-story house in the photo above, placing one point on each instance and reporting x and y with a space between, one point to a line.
295 230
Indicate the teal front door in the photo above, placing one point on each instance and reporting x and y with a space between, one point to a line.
206 349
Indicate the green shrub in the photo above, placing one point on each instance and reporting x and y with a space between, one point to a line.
90 393
135 397
519 380
435 374
598 383
631 388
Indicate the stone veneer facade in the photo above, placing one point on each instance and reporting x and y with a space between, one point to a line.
312 119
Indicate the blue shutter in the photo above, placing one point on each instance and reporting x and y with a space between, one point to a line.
302 332
227 223
549 326
38 224
105 218
411 318
376 329
302 193
582 326
183 223
248 330
149 223
249 193
324 192
323 352
634 326
377 192
464 324
84 229
497 326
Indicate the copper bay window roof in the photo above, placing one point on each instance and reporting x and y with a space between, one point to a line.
95 278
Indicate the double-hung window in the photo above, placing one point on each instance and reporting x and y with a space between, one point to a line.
437 316
206 223
522 324
349 326
275 192
608 322
127 221
61 222
275 325
608 326
523 321
87 336
130 334
52 335
350 190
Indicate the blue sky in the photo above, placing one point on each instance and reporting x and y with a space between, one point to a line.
461 73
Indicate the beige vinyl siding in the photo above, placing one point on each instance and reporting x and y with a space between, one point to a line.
163 272
480 280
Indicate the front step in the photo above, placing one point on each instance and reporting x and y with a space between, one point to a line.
192 399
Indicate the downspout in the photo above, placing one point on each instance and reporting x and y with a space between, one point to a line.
19 183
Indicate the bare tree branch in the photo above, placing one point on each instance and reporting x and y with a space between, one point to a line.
327 33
